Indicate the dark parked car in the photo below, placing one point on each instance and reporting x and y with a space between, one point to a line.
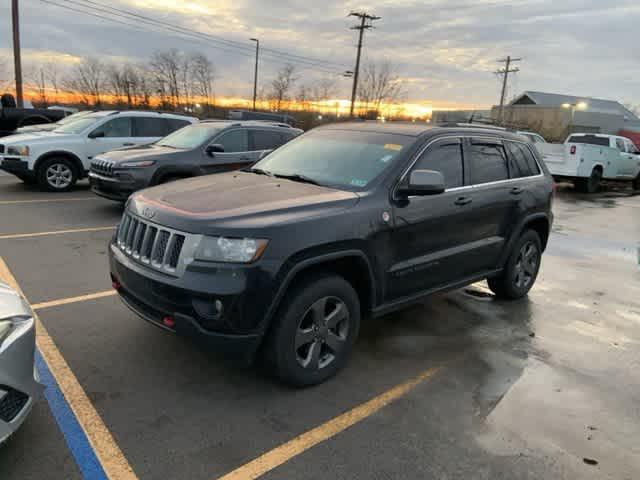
212 146
12 117
345 222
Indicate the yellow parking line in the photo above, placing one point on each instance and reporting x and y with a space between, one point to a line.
66 301
279 455
113 461
54 232
17 202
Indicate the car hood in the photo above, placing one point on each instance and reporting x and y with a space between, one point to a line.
44 127
11 303
237 200
141 152
34 137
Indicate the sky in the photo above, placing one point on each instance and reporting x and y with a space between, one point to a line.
444 51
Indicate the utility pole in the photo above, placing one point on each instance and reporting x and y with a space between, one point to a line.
17 63
505 75
255 74
366 22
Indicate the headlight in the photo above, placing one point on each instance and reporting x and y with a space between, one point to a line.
141 164
21 151
239 250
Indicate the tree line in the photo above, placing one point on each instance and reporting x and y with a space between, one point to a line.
176 80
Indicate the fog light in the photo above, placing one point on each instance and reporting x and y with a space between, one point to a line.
169 322
208 309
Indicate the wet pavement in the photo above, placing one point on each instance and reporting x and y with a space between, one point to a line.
545 387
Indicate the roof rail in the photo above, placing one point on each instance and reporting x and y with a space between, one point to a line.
471 125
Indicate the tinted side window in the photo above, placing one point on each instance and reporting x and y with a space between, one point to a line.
620 145
589 140
266 139
118 127
234 141
488 160
175 124
445 157
149 127
521 161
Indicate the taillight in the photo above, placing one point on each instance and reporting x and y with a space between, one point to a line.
573 150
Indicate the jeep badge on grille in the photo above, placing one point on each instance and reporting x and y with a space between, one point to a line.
148 212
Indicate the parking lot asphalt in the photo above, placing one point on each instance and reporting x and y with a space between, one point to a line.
459 386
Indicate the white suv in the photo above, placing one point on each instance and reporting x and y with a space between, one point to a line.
56 160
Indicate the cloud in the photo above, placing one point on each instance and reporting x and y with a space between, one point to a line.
446 50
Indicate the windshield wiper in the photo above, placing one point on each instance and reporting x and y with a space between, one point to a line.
296 177
258 171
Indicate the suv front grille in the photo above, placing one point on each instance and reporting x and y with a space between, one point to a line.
102 167
12 403
157 247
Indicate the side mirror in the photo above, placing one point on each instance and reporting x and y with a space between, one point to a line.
214 148
423 182
97 134
264 153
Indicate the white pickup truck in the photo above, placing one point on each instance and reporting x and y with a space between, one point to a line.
587 158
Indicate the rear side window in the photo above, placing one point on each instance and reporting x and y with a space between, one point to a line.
620 145
521 161
589 140
488 161
266 139
234 141
445 156
176 124
149 127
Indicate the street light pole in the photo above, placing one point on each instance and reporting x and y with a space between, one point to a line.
255 75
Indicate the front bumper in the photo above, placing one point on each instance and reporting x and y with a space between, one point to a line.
220 308
114 188
19 386
16 166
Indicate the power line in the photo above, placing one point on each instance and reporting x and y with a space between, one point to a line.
223 44
505 76
366 23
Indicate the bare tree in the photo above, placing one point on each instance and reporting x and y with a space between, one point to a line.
185 80
203 74
38 78
379 84
304 97
5 73
165 68
87 80
324 89
52 74
282 85
123 83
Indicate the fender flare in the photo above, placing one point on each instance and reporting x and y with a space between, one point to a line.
61 153
518 231
167 171
313 261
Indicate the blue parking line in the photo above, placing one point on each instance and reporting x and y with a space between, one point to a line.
75 437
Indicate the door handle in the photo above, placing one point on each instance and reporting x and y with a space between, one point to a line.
128 144
245 159
463 200
516 190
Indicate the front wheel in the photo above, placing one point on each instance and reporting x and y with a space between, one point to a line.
57 174
591 184
521 269
314 332
636 183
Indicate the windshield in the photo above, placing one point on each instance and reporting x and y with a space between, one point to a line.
190 136
72 118
337 158
77 126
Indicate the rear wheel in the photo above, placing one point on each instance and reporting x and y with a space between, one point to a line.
591 184
314 331
57 174
636 183
521 269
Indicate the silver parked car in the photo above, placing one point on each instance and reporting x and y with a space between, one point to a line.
19 386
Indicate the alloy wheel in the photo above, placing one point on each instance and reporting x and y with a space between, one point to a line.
59 175
526 265
322 333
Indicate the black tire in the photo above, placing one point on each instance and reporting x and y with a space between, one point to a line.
63 181
521 270
636 183
591 184
300 329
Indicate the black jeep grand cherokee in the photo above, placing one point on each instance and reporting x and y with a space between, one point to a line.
347 221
